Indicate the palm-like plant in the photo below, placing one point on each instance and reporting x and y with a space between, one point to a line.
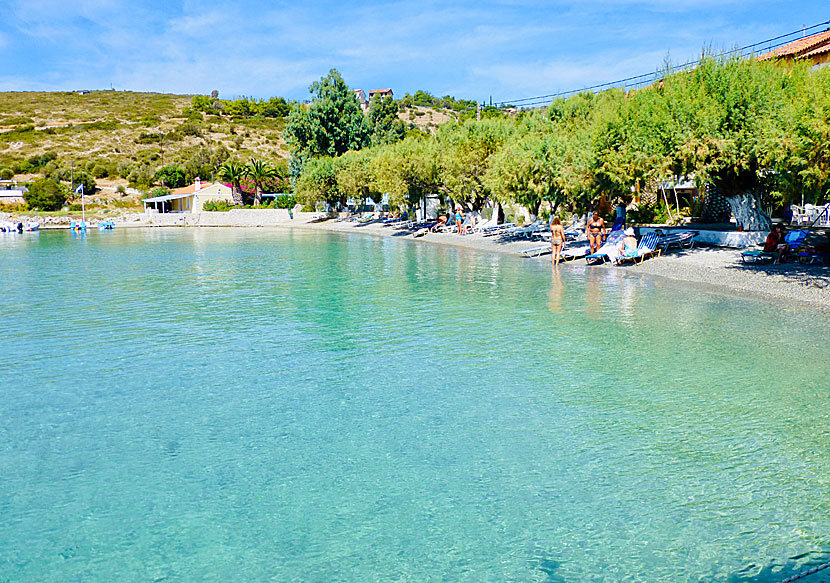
233 172
259 171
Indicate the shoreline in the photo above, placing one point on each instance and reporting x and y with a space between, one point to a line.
711 269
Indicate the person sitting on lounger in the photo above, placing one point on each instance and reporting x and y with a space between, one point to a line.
595 231
439 224
628 246
775 242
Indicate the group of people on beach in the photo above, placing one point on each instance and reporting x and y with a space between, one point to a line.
595 230
463 225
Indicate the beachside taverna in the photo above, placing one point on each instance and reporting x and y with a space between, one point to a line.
189 199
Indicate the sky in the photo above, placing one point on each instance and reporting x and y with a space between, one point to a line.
501 50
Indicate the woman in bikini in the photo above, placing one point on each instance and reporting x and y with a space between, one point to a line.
557 239
595 230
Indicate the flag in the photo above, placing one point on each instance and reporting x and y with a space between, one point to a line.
80 188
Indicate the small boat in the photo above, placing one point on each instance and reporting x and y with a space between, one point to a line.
31 226
77 226
106 226
11 227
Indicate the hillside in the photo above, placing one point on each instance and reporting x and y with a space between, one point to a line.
124 136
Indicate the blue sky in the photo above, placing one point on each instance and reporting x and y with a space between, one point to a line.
508 49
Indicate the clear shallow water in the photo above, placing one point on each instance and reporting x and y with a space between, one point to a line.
231 405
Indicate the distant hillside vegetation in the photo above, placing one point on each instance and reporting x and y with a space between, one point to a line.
127 135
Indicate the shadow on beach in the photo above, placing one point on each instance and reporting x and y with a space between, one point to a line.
808 275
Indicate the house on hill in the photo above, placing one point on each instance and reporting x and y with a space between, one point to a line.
381 93
189 199
361 99
814 48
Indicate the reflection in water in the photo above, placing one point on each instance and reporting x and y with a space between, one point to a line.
593 307
557 291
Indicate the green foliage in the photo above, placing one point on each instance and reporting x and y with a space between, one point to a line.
172 176
649 213
284 201
386 126
160 191
274 107
332 125
318 183
46 195
217 206
6 174
233 172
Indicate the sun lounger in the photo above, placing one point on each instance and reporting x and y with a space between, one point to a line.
646 248
575 251
496 229
682 240
608 249
757 256
536 251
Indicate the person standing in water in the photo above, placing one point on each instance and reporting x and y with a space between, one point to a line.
595 229
557 240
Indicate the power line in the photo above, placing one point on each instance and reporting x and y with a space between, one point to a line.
545 99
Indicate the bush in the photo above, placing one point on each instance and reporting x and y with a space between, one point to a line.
284 201
45 195
218 206
100 171
173 176
6 174
653 213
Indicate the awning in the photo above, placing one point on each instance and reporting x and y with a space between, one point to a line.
167 197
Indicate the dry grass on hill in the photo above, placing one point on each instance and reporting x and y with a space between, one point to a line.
114 126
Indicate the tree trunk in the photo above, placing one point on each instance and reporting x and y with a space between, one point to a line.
257 196
748 212
237 195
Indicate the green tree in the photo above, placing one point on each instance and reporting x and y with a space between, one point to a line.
318 182
386 126
259 171
46 195
233 172
465 150
171 176
332 125
354 176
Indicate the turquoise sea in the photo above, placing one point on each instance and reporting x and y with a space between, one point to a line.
264 405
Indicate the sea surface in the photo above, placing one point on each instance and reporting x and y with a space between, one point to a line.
231 405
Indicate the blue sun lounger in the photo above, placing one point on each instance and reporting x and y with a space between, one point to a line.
646 248
613 241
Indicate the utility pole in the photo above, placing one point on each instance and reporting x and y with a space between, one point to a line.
72 175
478 112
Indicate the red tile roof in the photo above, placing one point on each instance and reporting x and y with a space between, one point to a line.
383 91
798 48
817 52
190 189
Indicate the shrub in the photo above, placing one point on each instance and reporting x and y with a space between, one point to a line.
284 201
6 174
173 176
218 206
121 190
654 213
46 195
100 171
